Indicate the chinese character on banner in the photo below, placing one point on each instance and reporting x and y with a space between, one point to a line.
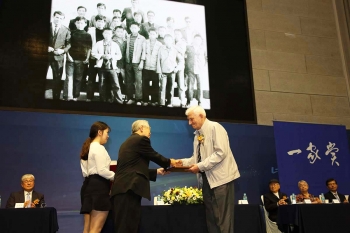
313 155
331 149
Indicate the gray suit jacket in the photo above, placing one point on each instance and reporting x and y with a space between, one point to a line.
61 40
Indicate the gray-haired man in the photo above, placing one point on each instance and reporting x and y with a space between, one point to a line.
27 195
213 162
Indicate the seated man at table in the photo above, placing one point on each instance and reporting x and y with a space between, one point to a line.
333 194
274 198
27 195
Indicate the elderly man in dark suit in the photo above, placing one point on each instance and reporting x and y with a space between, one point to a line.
131 181
59 45
28 196
333 193
274 198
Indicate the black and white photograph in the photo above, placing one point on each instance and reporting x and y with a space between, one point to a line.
129 52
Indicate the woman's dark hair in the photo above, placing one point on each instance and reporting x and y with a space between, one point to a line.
98 125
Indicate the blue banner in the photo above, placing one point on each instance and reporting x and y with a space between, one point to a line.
314 153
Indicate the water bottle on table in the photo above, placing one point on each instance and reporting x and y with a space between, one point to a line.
245 197
159 200
322 198
293 201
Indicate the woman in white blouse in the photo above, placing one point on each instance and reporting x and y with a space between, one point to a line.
94 160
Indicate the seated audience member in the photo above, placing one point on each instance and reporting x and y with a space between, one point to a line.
304 193
333 194
274 198
28 196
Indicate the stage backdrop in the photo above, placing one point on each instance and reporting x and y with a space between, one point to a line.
48 146
314 153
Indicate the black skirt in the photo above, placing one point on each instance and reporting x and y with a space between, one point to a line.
82 190
95 194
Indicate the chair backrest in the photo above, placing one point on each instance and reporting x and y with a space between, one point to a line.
263 206
271 227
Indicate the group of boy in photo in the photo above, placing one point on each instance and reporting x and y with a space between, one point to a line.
136 61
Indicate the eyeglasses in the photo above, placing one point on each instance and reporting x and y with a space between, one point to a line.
27 181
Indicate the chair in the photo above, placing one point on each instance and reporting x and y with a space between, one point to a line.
271 227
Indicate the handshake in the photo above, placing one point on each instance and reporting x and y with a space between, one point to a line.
173 163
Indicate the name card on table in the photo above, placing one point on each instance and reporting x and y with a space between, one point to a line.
19 205
242 201
307 201
159 202
335 201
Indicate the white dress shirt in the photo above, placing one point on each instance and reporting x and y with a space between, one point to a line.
98 162
30 198
276 194
30 195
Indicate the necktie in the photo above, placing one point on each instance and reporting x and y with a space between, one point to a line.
56 30
336 196
199 152
28 199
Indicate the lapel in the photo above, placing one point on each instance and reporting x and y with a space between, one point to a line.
56 35
333 195
275 197
34 195
21 197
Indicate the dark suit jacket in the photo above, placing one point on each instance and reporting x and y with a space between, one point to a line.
127 14
59 41
270 203
18 197
330 197
132 166
73 27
